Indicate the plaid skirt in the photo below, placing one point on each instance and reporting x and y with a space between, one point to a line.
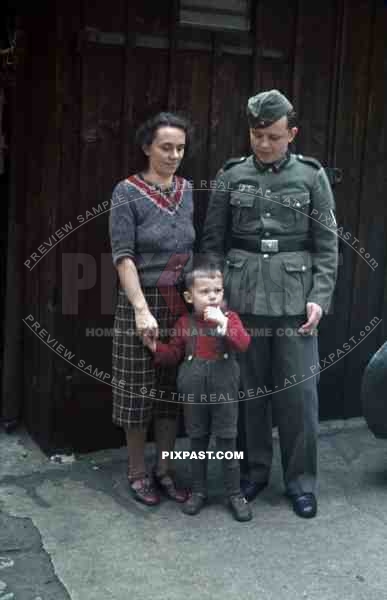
146 390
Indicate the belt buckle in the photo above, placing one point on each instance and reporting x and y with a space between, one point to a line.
269 246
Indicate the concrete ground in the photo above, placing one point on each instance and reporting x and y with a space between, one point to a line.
71 531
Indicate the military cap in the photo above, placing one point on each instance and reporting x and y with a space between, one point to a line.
266 108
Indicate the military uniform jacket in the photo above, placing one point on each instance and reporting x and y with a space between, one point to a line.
291 202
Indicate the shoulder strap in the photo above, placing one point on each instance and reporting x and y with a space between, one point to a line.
231 162
334 175
309 161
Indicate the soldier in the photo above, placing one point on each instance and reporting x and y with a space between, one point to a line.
272 215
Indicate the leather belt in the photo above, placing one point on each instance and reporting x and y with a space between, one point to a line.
270 246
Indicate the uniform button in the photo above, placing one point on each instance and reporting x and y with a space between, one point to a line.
270 170
225 355
303 268
298 204
268 192
267 214
267 234
190 357
265 256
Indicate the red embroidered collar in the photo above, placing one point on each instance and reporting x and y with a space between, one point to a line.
169 202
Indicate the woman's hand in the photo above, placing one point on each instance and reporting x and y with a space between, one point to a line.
146 324
149 342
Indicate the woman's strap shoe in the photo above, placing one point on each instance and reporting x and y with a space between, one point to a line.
143 490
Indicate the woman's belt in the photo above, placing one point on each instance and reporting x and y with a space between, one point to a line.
270 246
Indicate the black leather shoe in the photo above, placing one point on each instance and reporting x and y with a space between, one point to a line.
305 505
251 489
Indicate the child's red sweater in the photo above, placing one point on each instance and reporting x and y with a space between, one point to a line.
206 345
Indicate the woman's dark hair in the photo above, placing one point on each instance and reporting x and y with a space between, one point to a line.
146 133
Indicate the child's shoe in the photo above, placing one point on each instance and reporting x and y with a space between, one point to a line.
194 504
167 486
240 508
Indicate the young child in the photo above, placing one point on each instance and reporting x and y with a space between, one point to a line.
204 342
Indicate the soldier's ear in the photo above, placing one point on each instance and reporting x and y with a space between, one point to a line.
188 297
292 133
145 149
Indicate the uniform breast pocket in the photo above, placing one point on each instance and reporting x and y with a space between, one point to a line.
294 210
243 210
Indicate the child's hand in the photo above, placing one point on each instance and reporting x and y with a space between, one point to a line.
149 341
215 314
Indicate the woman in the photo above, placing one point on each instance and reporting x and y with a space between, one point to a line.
152 237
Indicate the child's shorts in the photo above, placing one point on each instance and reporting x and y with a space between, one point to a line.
209 390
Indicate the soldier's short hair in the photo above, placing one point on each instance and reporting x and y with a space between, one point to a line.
292 119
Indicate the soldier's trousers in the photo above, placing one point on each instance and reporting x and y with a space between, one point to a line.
285 363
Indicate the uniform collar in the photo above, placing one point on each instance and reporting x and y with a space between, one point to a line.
275 166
